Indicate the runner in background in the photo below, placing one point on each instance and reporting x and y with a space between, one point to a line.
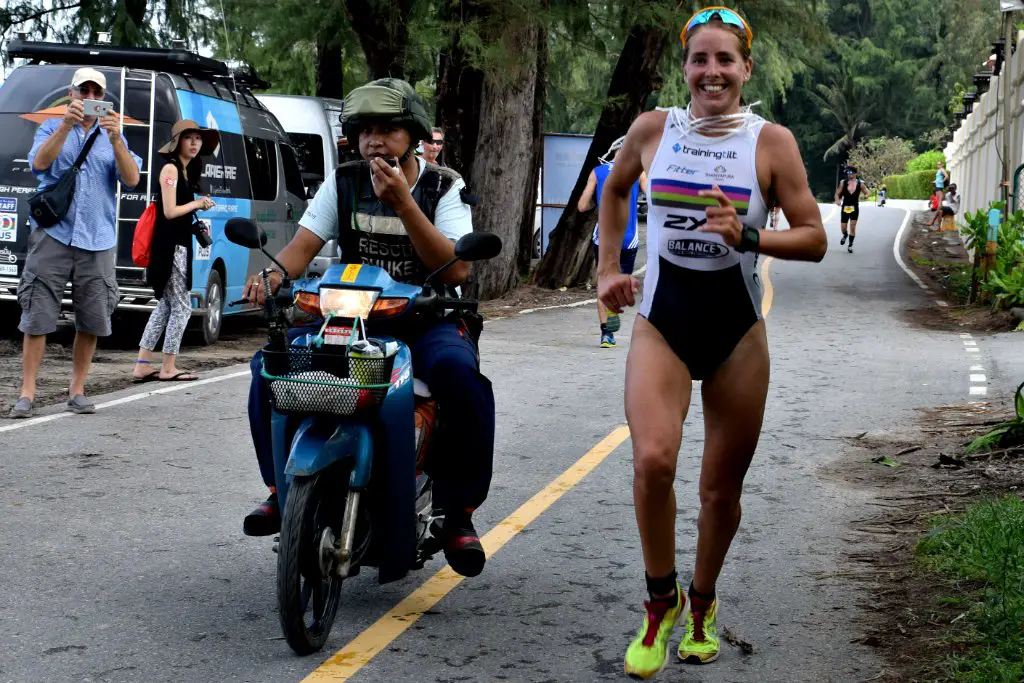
848 196
590 198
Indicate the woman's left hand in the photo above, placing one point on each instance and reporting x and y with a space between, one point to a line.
722 219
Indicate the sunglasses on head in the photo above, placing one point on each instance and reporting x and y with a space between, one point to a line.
723 14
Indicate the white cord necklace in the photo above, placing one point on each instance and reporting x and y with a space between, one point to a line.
723 126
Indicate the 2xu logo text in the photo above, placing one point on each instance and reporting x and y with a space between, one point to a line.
684 222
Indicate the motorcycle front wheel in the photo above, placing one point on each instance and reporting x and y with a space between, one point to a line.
307 596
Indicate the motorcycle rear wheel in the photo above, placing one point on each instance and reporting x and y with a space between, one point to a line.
308 600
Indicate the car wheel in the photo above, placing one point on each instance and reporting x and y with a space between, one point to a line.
214 318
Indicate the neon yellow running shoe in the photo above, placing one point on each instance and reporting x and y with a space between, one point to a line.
700 644
648 652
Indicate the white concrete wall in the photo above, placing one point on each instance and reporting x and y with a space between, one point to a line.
973 157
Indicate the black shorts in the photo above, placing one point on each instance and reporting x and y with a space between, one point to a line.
627 259
946 211
849 213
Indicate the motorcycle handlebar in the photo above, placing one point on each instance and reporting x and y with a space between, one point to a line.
457 304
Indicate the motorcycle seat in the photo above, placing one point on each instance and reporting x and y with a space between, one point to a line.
420 388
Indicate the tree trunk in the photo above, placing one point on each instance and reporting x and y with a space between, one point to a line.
328 68
505 178
458 96
537 157
383 30
568 260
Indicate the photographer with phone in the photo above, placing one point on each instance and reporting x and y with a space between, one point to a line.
73 235
170 263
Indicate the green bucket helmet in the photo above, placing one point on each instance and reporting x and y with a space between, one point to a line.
386 100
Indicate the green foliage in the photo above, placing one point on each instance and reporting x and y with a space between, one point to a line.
278 39
878 158
1005 282
918 185
1003 435
984 545
926 162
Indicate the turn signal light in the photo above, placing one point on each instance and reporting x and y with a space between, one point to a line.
308 302
389 307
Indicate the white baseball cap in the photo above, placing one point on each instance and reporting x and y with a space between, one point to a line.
88 74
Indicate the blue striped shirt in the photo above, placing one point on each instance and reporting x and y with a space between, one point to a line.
90 222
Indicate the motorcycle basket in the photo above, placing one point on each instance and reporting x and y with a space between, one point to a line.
308 381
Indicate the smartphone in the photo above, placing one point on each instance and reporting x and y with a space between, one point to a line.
97 107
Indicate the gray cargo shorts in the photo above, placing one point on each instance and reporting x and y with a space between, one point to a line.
49 266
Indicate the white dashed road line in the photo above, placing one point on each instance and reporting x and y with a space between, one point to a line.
979 381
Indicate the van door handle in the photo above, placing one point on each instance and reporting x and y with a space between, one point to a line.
291 212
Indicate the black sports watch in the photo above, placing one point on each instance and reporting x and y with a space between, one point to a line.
750 240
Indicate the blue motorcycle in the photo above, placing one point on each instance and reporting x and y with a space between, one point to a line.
349 428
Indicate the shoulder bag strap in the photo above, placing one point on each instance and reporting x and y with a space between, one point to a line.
85 150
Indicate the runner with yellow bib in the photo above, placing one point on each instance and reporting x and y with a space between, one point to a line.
848 196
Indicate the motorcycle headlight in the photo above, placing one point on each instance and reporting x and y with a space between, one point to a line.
347 303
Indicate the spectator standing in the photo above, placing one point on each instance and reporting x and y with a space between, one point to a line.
170 267
82 247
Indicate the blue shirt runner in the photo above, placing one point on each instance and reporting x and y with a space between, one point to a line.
631 240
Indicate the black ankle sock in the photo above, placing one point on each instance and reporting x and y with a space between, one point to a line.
706 597
664 586
852 237
604 328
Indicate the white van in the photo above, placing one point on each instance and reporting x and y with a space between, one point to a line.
307 123
314 128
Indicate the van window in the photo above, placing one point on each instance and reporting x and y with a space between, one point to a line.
262 157
292 177
310 150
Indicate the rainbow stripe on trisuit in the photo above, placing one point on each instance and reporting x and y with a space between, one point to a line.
677 194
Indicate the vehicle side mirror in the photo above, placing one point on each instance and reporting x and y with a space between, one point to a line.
243 232
478 246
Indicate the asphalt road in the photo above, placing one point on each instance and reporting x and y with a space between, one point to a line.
124 558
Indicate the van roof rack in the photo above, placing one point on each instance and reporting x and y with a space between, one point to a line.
174 61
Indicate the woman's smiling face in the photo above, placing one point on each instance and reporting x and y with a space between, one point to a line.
715 70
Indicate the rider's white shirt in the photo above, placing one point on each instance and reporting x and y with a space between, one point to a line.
452 218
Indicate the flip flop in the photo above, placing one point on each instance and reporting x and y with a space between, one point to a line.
151 377
180 377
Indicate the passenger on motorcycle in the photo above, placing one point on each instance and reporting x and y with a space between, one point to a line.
402 214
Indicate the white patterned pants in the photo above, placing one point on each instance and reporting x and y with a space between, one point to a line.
172 311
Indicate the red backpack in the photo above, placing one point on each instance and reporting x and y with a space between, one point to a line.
143 239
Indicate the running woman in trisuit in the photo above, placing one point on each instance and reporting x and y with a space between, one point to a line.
848 197
713 170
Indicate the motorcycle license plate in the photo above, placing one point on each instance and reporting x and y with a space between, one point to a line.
337 335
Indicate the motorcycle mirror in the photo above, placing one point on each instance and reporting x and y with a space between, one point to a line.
244 232
478 246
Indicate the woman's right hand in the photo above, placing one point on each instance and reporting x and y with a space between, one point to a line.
617 290
204 204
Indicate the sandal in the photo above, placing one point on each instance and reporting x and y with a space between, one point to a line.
183 376
151 377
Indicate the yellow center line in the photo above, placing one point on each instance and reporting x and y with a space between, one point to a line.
769 291
347 661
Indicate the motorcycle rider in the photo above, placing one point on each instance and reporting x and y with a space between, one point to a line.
402 214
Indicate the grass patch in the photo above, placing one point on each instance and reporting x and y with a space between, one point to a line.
955 279
981 551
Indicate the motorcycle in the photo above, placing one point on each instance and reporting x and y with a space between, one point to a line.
350 427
